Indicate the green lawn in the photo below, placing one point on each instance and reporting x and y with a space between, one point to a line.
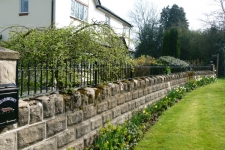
196 122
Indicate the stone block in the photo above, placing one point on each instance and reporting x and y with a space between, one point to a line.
148 97
96 122
115 88
145 91
129 115
132 105
49 144
151 81
68 101
59 103
124 108
66 137
89 138
116 112
157 87
138 102
140 93
48 106
83 128
89 111
30 135
140 108
74 117
136 84
29 148
23 113
77 145
112 102
160 93
8 71
8 141
105 91
142 84
120 99
130 86
142 100
134 94
6 128
156 95
128 97
35 111
153 88
107 116
149 89
125 86
102 107
56 125
120 120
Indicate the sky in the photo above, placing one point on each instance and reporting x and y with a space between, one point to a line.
194 9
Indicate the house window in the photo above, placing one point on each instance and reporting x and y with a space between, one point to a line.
124 30
107 20
23 6
79 10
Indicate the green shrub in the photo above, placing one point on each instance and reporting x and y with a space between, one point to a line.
171 61
144 60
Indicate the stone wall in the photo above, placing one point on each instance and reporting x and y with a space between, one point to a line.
61 121
8 60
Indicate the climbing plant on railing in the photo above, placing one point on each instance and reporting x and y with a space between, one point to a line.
90 43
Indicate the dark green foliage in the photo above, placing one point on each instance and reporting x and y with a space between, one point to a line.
171 43
173 17
150 41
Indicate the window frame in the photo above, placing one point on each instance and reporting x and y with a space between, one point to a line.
107 19
124 30
79 10
21 8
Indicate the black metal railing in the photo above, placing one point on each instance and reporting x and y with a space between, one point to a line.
36 78
201 68
159 69
40 77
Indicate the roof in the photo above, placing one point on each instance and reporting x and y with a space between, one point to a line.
100 6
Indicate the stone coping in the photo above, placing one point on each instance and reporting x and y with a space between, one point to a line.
7 54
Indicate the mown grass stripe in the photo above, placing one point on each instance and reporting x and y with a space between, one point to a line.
196 122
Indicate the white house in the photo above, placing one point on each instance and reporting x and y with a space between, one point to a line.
42 13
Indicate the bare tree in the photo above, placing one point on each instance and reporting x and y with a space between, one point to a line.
146 31
216 18
143 13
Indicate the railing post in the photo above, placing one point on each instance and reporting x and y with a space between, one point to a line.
131 73
96 74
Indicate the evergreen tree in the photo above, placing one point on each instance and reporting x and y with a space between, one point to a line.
171 43
150 41
173 17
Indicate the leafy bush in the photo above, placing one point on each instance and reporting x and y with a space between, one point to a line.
84 44
171 61
144 60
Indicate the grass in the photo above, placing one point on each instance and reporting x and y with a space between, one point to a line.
196 122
